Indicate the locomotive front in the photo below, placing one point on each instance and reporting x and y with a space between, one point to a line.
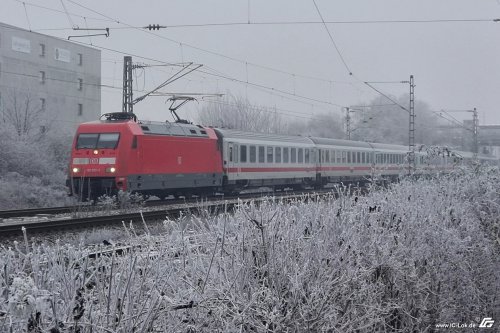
97 159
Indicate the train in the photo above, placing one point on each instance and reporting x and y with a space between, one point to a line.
121 153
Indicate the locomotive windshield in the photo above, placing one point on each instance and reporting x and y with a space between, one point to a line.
97 140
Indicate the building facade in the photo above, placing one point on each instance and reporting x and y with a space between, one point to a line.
47 83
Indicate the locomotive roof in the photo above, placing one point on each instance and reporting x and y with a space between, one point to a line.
173 129
240 135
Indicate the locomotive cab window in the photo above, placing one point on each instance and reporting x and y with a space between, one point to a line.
97 141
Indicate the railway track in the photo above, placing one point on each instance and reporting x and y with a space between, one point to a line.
12 228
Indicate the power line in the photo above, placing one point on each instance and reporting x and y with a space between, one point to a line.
128 26
274 90
386 96
331 39
217 54
58 11
230 24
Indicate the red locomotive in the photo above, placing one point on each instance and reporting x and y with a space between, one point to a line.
119 153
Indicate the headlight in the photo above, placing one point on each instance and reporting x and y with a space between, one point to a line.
96 152
75 170
111 169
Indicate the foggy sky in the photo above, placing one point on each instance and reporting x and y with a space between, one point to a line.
456 64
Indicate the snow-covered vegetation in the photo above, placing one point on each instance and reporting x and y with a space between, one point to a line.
395 260
32 169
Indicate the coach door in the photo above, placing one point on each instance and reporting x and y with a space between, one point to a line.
232 160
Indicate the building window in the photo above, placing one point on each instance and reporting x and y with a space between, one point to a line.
41 76
42 104
80 59
80 86
42 50
80 109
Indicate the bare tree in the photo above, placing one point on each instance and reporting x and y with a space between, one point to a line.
238 113
21 111
322 125
385 122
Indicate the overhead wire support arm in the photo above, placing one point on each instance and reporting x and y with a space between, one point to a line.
173 78
106 33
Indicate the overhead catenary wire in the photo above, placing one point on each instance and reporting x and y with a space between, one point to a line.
332 40
27 17
386 96
109 19
201 49
58 11
128 26
246 62
73 25
232 24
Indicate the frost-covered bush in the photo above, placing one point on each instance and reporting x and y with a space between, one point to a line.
18 191
32 170
122 200
401 259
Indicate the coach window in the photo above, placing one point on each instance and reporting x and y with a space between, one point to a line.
261 154
327 157
230 154
285 154
253 154
293 155
300 158
306 152
277 154
270 154
243 153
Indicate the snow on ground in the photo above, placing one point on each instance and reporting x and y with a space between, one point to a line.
421 253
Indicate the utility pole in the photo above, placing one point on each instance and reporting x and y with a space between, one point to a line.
411 134
475 126
127 105
347 123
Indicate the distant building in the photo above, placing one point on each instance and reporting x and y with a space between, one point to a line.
55 80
